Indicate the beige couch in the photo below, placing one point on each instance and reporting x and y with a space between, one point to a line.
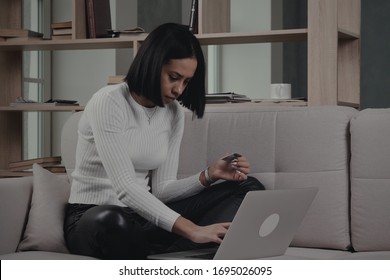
342 152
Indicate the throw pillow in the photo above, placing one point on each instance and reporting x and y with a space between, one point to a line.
44 229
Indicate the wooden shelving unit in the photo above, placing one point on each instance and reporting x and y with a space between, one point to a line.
332 36
334 64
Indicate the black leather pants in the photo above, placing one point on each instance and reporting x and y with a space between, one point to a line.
113 232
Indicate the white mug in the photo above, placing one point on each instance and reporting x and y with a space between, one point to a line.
280 91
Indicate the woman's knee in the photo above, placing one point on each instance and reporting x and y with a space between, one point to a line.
108 232
252 184
108 218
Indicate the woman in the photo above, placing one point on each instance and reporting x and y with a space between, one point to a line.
125 199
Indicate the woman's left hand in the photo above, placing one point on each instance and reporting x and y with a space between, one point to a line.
235 170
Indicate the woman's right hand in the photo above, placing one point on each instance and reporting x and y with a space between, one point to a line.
200 234
211 233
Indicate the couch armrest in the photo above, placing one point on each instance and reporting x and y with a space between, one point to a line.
15 197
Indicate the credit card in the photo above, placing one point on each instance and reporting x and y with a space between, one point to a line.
231 157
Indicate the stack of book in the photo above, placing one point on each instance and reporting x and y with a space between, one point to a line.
230 97
52 164
61 30
20 101
131 31
15 34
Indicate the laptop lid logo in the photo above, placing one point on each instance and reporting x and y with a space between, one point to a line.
269 225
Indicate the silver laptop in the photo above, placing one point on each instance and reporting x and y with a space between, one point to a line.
264 226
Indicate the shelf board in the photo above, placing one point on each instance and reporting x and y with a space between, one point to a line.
345 34
256 37
264 102
349 104
78 44
287 35
129 41
41 108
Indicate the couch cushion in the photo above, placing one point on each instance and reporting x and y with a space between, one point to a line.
44 230
69 137
15 197
288 148
370 179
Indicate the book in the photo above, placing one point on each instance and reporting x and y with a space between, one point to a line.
131 31
61 28
62 31
25 164
55 168
52 167
20 101
51 104
27 171
98 18
226 98
60 25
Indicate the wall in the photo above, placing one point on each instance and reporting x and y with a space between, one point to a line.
152 13
245 69
77 74
295 53
126 16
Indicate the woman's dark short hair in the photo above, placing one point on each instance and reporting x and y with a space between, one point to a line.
166 42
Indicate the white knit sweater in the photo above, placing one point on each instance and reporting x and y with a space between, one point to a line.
117 146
